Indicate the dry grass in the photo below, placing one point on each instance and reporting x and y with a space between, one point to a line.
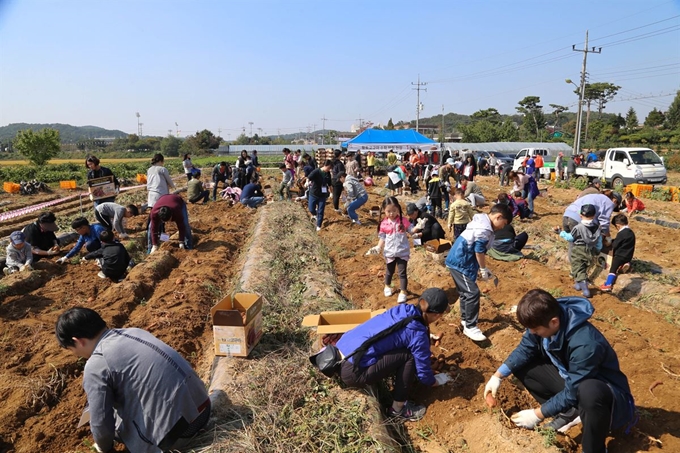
40 391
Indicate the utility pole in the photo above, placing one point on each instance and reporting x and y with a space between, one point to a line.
442 129
361 123
324 128
139 126
251 127
581 90
419 106
177 126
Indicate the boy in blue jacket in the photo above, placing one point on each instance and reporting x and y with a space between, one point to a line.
569 367
405 352
89 237
468 256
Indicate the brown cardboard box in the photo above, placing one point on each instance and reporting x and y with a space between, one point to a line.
101 188
237 324
437 245
335 323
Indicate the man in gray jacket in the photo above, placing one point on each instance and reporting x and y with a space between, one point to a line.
139 390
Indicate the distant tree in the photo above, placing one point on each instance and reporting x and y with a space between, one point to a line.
38 147
533 114
490 114
655 118
170 146
242 139
207 140
390 125
557 111
631 120
508 131
600 93
673 113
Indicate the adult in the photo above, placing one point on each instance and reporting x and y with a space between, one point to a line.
40 234
403 348
571 167
356 195
221 174
569 367
469 169
254 159
195 190
395 180
337 168
252 195
188 166
320 182
594 186
559 166
472 192
353 168
425 223
88 236
391 158
139 390
167 208
591 157
538 163
370 163
530 167
95 170
527 185
507 241
493 163
504 170
604 206
289 160
158 180
357 159
446 172
111 215
239 176
309 161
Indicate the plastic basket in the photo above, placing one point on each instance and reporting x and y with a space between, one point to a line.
11 187
141 178
67 184
640 190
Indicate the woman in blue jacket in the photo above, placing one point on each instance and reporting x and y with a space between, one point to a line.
405 352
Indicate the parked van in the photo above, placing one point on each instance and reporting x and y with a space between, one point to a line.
623 166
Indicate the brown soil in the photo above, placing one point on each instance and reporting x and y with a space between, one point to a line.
168 294
639 320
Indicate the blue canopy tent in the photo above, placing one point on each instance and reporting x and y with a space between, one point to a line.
400 141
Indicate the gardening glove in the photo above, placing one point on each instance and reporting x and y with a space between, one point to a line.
373 251
525 419
153 249
26 267
492 386
181 245
61 260
442 378
485 273
52 252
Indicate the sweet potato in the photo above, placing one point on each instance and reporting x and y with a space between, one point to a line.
490 400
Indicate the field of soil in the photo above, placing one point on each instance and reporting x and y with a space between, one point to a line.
170 293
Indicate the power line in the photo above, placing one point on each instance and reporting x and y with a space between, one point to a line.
637 28
419 106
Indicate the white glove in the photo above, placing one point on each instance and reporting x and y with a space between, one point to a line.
181 245
153 249
525 419
61 260
420 224
492 386
26 267
52 252
373 251
442 378
485 273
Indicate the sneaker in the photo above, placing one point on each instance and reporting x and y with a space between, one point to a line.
318 228
6 271
401 298
606 288
356 222
462 323
564 421
410 412
100 274
337 210
313 219
474 334
625 267
387 291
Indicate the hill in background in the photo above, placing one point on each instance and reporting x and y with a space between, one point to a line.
68 133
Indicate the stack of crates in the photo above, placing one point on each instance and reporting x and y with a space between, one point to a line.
639 190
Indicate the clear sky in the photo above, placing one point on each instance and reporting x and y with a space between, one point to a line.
285 64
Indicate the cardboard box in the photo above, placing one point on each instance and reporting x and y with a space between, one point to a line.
336 323
237 324
101 188
437 245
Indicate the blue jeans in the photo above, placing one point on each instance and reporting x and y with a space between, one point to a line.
316 207
252 202
356 204
526 193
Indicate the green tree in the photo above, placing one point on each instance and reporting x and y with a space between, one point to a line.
170 146
38 147
390 125
490 114
207 140
534 119
631 120
508 131
655 118
673 113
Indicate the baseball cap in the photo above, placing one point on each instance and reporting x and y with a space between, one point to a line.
588 210
17 238
47 221
450 161
411 208
436 299
435 172
597 182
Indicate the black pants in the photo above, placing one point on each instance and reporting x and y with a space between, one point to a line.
400 266
595 400
399 361
204 195
436 207
188 176
103 220
371 169
215 184
337 191
617 262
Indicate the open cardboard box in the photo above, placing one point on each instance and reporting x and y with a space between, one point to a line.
99 188
336 323
237 324
437 245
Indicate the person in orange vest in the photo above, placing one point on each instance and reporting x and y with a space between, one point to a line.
422 161
538 162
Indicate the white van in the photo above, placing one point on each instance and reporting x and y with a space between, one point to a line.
548 162
623 166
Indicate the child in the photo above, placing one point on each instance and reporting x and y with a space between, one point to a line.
286 183
460 213
88 236
112 257
111 215
633 205
467 256
623 247
19 255
522 206
392 232
587 239
434 193
195 190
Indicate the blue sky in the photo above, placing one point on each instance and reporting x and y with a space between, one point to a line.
284 65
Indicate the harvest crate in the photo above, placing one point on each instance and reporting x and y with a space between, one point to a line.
640 190
67 184
11 187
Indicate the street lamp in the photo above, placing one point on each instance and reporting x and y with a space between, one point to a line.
579 114
251 127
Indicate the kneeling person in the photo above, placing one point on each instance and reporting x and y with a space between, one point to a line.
569 367
112 257
89 237
19 255
111 216
139 389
